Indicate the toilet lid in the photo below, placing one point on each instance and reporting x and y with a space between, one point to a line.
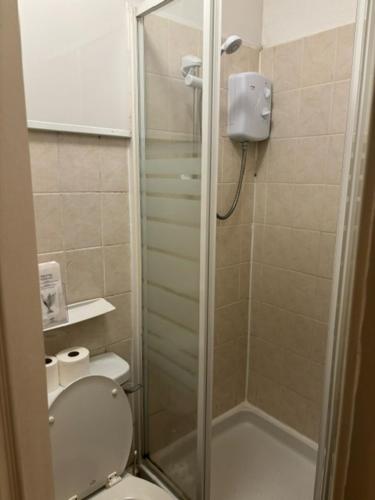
91 432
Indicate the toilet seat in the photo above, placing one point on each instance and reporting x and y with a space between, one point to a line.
132 488
91 430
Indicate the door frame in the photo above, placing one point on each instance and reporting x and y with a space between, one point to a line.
358 126
25 455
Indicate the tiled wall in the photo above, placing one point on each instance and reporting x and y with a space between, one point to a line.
297 195
80 186
232 253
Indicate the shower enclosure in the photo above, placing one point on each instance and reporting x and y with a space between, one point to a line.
241 321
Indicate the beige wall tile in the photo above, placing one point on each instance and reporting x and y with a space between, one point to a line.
282 160
81 220
301 335
119 322
340 107
253 55
288 289
322 299
294 230
271 323
276 246
287 66
224 395
79 163
257 250
335 157
244 280
246 203
227 285
90 334
318 57
304 251
223 111
115 212
225 360
311 160
260 193
299 413
318 341
261 164
228 245
307 201
117 269
286 107
231 322
84 274
266 359
245 244
301 376
302 289
55 342
326 254
227 163
330 207
344 56
275 287
48 221
114 167
280 208
66 163
122 349
44 161
315 110
256 277
265 394
266 62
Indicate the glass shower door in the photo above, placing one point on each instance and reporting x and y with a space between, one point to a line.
171 72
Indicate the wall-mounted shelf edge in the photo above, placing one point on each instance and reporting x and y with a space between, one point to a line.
78 129
83 311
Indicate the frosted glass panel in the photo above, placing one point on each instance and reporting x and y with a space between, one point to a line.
171 215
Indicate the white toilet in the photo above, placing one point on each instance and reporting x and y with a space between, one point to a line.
91 429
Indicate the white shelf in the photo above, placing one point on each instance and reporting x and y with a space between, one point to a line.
82 311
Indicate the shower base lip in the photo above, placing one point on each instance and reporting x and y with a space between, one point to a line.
247 412
178 459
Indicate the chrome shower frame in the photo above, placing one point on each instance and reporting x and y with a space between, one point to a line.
354 164
346 248
209 155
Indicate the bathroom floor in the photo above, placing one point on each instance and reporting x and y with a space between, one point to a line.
252 459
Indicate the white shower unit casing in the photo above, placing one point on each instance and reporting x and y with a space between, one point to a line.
249 107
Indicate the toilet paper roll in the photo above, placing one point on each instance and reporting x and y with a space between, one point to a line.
74 363
52 373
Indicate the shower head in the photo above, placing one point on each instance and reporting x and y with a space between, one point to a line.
231 44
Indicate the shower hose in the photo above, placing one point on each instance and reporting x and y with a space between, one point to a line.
226 215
